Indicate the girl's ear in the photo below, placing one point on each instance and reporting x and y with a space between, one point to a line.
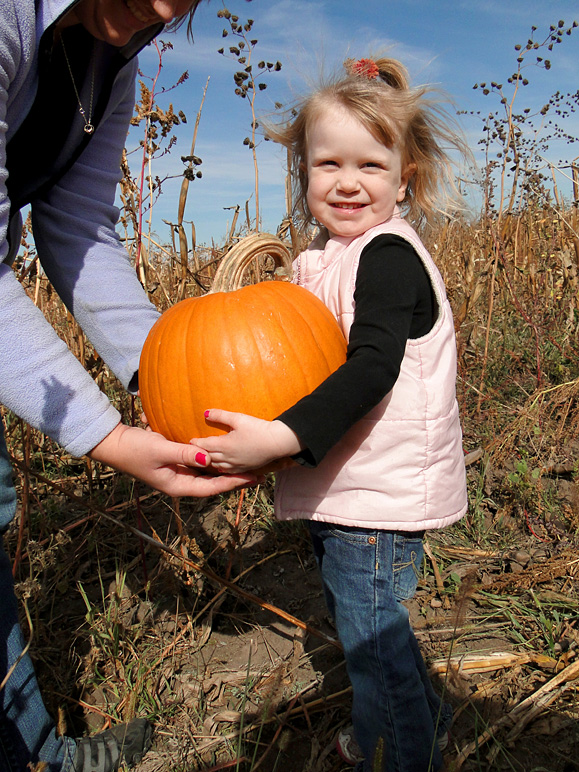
405 176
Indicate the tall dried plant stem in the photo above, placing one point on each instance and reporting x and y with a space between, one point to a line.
487 331
495 227
509 111
555 188
145 251
510 136
289 208
253 149
183 247
128 191
231 232
255 166
139 267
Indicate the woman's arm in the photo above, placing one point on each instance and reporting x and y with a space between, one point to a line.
79 247
40 379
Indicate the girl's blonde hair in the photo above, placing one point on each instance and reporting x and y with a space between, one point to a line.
378 94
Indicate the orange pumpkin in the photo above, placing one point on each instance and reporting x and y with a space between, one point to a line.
256 350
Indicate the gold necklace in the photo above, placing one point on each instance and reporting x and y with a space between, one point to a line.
88 126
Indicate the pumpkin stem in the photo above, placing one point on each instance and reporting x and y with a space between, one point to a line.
229 275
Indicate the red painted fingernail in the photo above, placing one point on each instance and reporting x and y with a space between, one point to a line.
201 458
206 414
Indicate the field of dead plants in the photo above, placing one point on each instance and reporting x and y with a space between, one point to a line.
208 617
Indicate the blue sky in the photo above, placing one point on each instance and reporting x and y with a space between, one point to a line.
452 44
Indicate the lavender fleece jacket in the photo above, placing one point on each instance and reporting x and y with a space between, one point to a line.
74 231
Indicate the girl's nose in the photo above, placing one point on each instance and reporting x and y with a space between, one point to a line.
347 181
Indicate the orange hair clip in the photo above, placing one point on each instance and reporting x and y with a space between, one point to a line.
367 68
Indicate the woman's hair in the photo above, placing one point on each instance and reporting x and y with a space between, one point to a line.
378 94
186 17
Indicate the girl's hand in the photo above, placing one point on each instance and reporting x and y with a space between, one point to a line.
250 444
170 467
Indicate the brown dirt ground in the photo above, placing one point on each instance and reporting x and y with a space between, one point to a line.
225 677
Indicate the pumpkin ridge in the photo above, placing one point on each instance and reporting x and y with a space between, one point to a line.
316 326
149 364
213 322
255 344
298 338
193 330
261 342
164 364
317 330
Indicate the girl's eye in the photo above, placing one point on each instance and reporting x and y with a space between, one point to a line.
373 165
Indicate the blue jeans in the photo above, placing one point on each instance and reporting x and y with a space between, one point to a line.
366 574
27 733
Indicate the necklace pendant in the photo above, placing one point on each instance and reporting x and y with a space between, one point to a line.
88 126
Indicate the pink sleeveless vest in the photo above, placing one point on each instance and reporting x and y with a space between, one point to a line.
402 466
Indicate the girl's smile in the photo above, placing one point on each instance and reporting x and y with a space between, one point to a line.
354 181
141 11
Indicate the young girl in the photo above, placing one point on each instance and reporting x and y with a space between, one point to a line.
379 442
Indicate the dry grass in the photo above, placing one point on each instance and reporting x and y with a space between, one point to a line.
213 624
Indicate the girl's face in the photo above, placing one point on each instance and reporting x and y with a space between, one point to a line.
354 181
116 21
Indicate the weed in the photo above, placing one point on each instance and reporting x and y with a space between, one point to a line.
249 81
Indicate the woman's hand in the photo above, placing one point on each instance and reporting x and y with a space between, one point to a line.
250 444
170 467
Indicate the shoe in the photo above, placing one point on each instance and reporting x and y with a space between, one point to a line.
443 740
104 752
350 752
347 747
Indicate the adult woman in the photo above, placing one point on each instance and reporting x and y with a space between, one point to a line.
67 75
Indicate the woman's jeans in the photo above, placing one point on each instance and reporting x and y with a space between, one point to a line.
366 574
27 733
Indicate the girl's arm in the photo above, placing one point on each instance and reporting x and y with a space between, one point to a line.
250 444
393 302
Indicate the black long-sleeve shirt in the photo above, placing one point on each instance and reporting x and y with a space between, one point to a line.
394 301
